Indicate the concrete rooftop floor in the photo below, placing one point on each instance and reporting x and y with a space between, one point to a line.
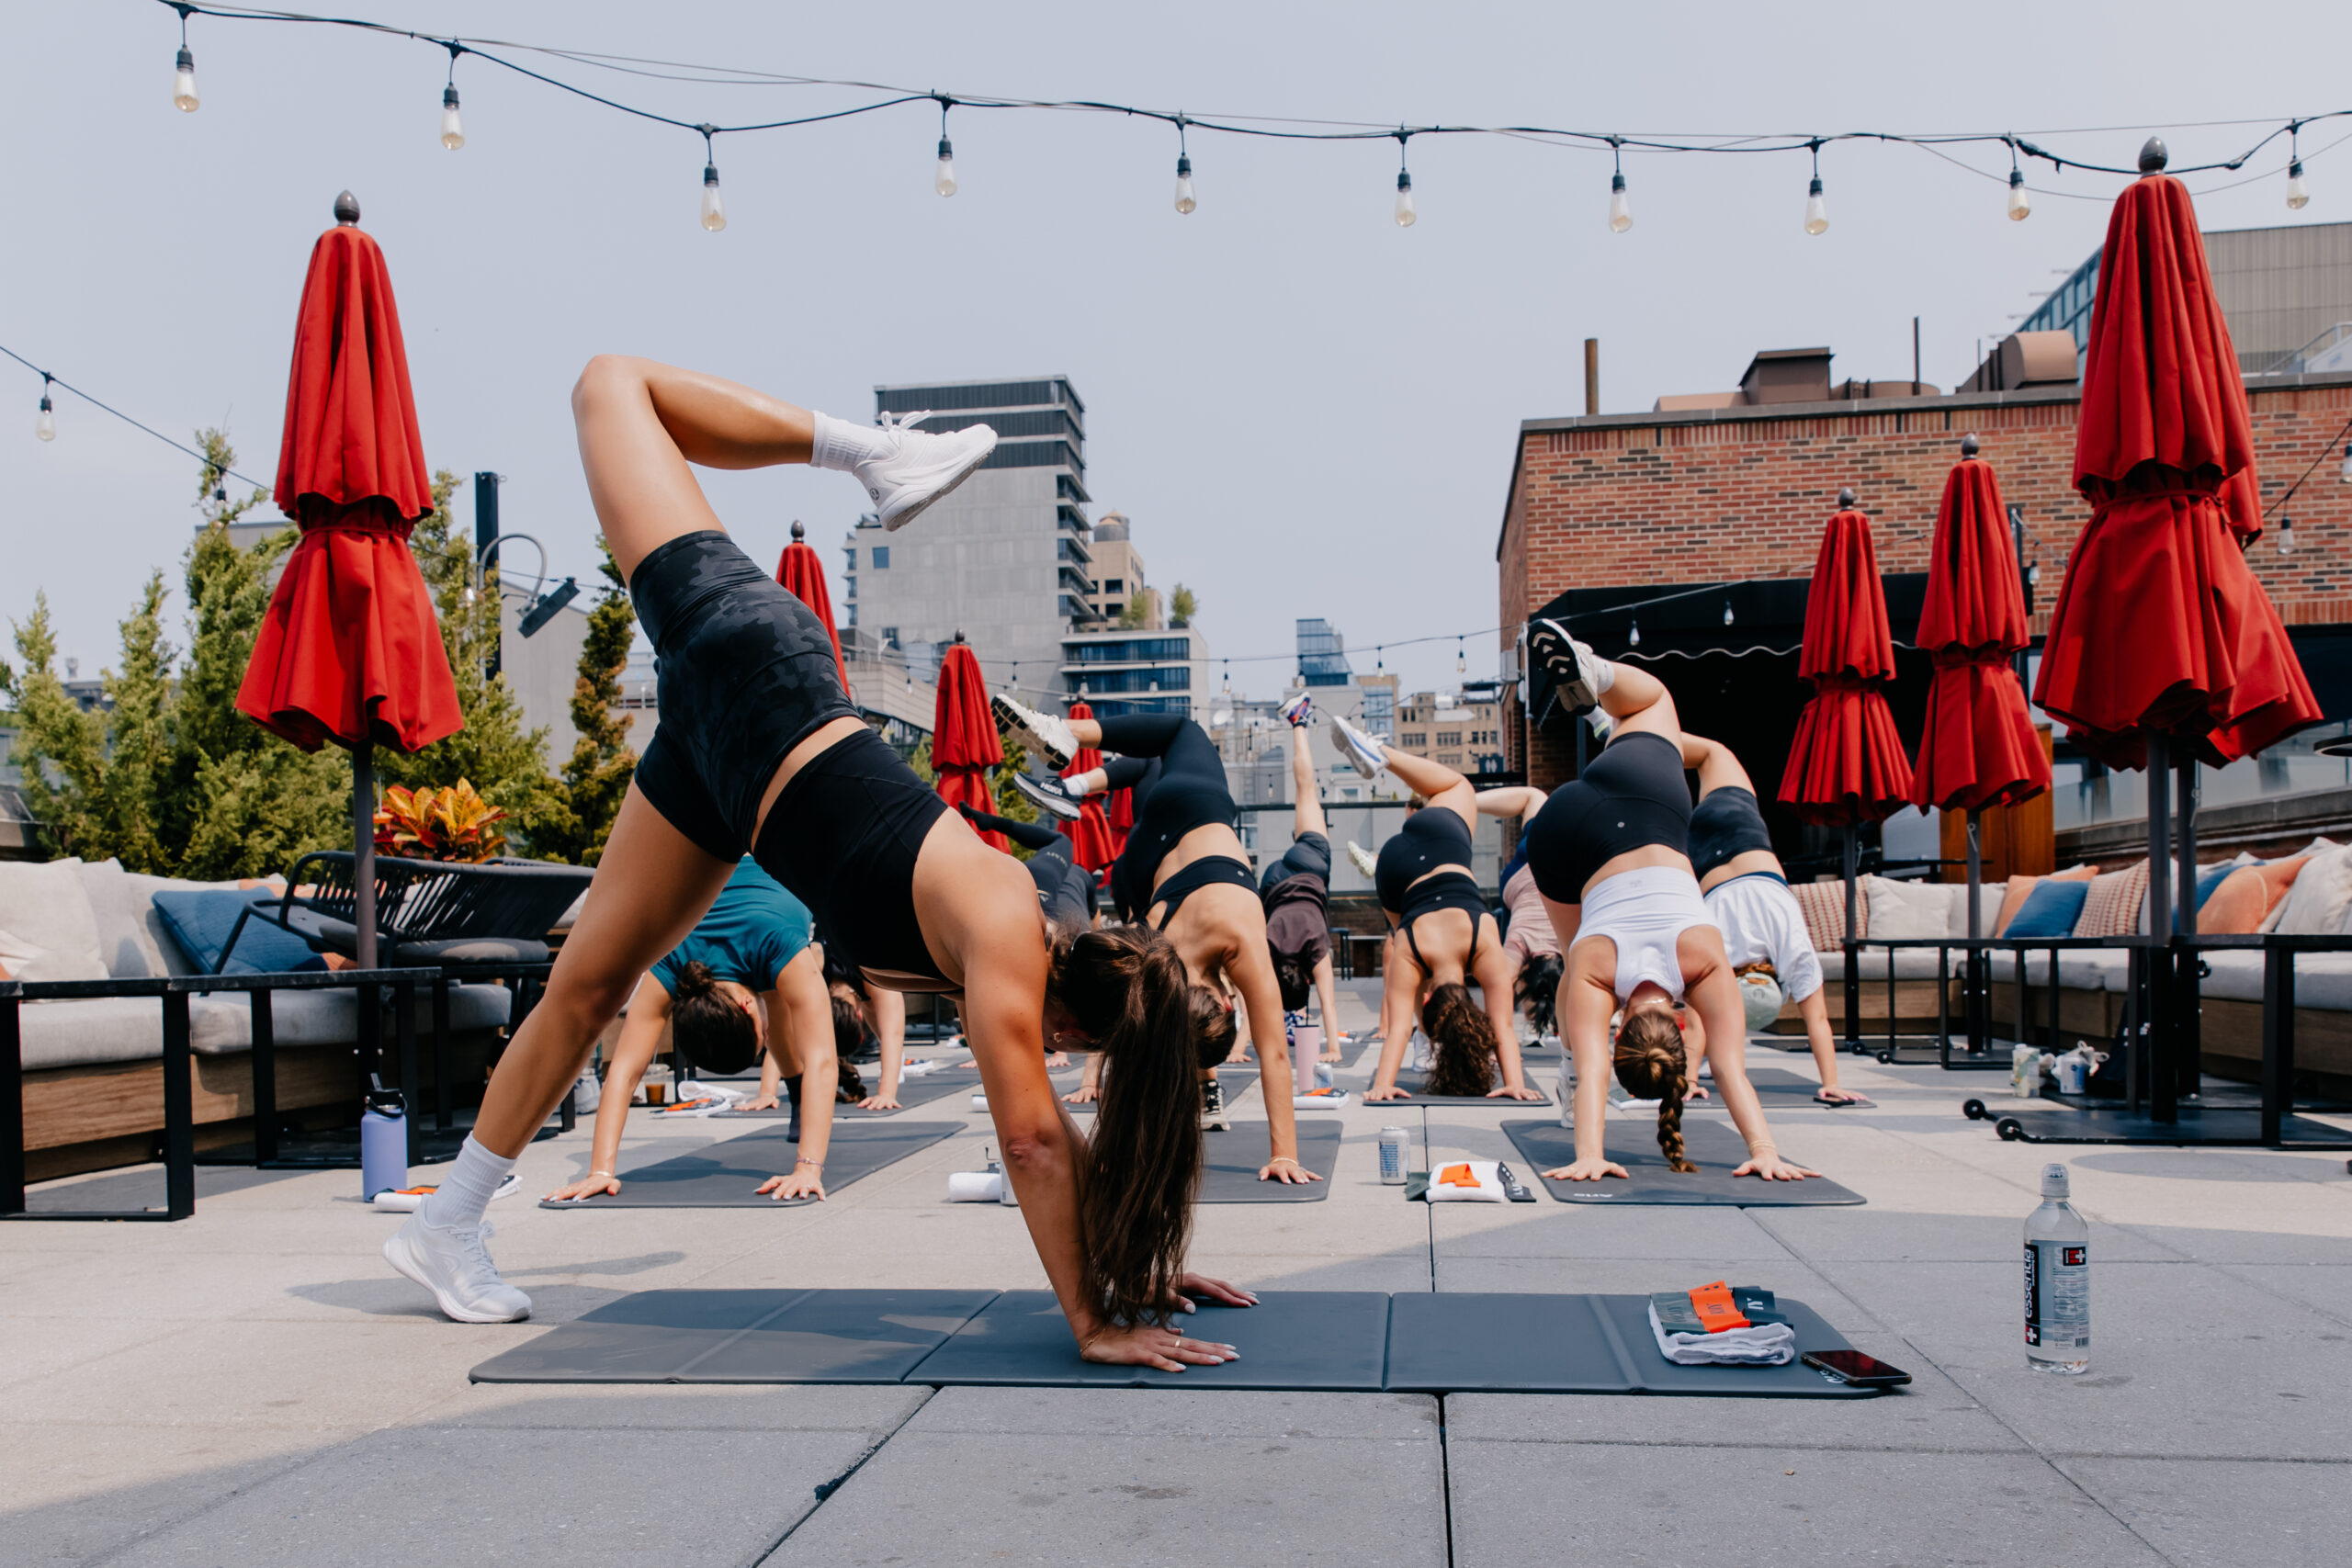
253 1386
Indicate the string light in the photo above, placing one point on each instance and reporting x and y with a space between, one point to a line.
943 179
2286 536
1461 657
2020 209
45 423
2345 473
1185 199
183 93
1405 213
453 129
1727 612
1621 212
1817 210
1633 634
45 426
714 207
2299 194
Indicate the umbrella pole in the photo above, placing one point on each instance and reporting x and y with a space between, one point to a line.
1853 950
2153 1069
1978 1023
363 837
2187 1044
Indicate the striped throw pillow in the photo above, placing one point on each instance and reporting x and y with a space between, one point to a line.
2116 902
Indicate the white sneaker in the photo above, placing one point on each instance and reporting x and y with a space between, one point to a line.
1569 663
1358 747
1298 710
1048 796
1042 732
455 1266
920 467
1364 859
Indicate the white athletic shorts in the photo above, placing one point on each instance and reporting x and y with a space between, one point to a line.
1761 924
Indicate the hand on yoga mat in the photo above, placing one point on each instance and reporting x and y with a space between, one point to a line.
1772 1168
1521 1092
1189 1285
590 1186
880 1102
1585 1170
1163 1349
1082 1095
763 1102
804 1181
1391 1092
1287 1170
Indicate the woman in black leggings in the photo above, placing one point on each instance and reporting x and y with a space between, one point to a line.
759 748
1064 888
1445 935
1184 874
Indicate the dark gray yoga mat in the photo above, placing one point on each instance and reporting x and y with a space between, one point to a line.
742 1337
1770 1084
1413 1083
911 1094
1502 1343
1291 1339
1231 1162
726 1174
1713 1146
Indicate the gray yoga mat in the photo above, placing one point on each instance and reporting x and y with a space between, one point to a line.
726 1174
1067 1080
1771 1084
1502 1343
1291 1339
911 1094
1712 1145
1231 1162
1413 1083
742 1337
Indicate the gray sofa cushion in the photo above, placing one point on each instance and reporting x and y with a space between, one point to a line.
1910 964
131 1029
2322 980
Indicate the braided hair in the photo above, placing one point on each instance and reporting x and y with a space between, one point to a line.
1651 1065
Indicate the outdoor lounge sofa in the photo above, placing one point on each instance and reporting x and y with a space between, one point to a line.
92 1067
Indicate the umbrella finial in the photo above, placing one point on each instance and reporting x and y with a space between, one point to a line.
799 530
1846 499
1968 445
346 209
959 635
2153 156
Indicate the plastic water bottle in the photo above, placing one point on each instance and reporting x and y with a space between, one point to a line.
2057 1282
383 1141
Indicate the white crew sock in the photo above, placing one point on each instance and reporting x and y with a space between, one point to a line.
466 1191
1604 674
841 446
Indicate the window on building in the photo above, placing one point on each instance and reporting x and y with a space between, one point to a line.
1115 585
881 557
1448 738
852 614
1411 739
850 591
1113 608
890 636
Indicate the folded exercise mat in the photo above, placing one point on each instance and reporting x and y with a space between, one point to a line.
1291 1339
1712 1145
1231 1162
726 1174
911 1094
1304 1340
1415 1084
742 1337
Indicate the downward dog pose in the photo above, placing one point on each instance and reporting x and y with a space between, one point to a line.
1609 852
1185 875
1747 893
884 1015
759 748
747 982
1296 891
1530 943
1445 936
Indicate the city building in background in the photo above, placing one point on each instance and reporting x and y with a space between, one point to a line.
1459 731
1138 670
1118 572
1322 654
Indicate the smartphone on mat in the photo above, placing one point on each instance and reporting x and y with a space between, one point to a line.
1854 1367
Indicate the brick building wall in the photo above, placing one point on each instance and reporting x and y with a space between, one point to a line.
1730 494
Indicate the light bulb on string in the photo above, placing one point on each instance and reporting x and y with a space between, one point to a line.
1816 209
1185 199
2344 473
2299 194
714 207
2286 536
184 95
453 129
45 423
1405 213
1621 212
1633 634
1727 612
1461 657
942 177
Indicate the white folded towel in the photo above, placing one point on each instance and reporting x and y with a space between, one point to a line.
1758 1345
918 1069
1328 1100
1486 1188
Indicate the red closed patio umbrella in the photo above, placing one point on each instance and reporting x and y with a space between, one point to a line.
349 649
1978 747
1091 842
964 743
803 577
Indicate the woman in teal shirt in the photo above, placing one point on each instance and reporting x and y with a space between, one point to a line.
746 982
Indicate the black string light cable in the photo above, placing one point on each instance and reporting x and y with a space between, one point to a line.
1269 126
46 426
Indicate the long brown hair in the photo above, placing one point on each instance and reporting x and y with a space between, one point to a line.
1651 1065
1125 987
1536 988
1464 1043
707 1027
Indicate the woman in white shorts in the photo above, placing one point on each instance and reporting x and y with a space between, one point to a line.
1747 891
1609 853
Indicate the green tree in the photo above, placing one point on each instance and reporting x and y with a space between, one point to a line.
1142 610
1011 802
597 774
1182 605
61 749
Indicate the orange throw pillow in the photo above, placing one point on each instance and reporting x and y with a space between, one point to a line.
2237 906
2013 898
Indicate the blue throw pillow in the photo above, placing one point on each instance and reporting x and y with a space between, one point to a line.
2050 910
2210 878
201 919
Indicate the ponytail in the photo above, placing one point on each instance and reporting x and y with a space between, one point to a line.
1536 989
1651 1065
1463 1038
1125 987
707 1027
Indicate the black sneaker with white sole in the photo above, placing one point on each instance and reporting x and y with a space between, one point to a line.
1048 796
1567 661
1213 1117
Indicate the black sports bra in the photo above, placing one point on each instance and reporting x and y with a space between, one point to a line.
1446 890
1207 872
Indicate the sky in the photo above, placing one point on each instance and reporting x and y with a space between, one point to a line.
1304 409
